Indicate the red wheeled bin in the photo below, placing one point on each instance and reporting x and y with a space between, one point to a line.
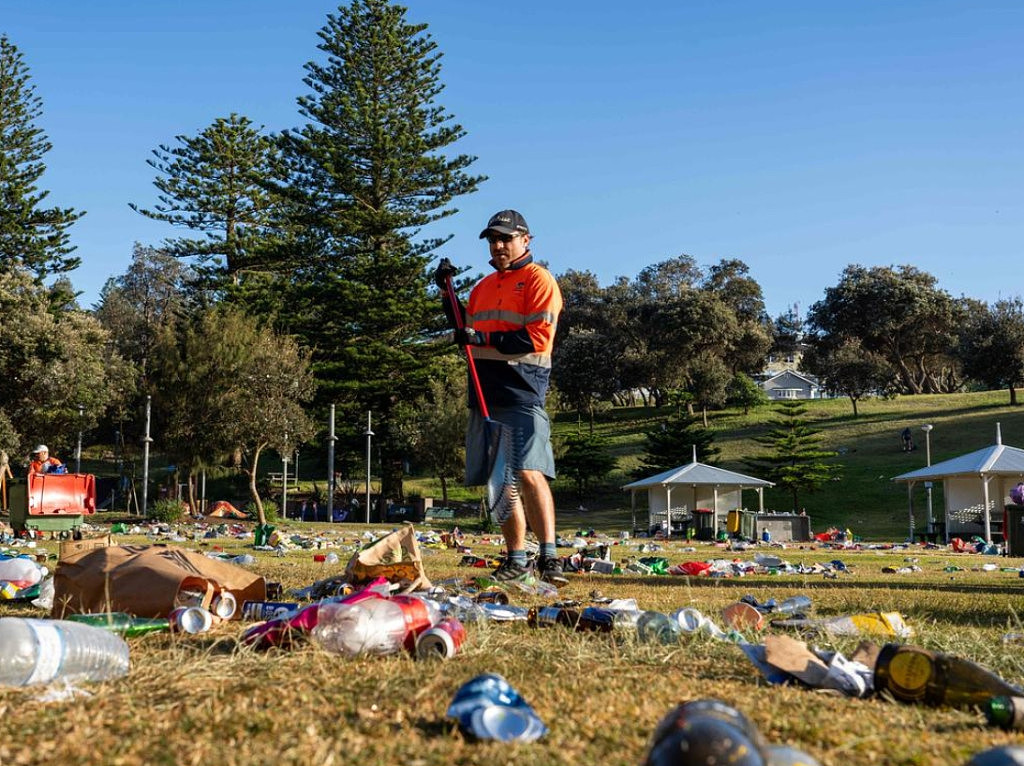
51 502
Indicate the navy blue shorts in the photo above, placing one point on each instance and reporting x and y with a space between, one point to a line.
530 429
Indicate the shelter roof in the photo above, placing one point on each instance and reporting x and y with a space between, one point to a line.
999 459
699 474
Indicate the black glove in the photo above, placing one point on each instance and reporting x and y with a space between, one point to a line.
469 337
445 270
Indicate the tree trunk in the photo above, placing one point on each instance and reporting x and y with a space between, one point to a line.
704 416
1013 395
192 508
853 401
444 491
253 492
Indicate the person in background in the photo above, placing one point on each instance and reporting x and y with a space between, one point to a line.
43 463
509 330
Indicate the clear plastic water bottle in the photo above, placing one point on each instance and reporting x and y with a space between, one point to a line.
373 626
41 651
655 627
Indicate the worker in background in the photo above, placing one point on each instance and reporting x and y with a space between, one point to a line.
43 463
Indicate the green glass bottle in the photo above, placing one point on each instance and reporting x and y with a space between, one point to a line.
914 674
123 623
1005 711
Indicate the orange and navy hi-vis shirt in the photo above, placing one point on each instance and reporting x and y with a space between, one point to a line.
519 309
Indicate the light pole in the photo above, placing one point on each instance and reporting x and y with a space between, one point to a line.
927 428
284 478
369 438
146 441
78 449
331 438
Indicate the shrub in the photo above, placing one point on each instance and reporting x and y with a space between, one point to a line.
270 510
167 511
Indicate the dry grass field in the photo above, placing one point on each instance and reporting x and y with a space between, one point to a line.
205 699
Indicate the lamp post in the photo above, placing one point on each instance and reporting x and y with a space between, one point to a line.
369 438
78 449
927 428
331 438
284 478
146 441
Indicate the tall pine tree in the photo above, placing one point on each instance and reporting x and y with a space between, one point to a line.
216 184
796 462
368 172
671 444
31 236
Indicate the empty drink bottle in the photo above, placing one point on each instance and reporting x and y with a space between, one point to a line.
123 623
41 651
913 674
1007 712
655 627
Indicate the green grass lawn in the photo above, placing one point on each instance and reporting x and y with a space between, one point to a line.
206 699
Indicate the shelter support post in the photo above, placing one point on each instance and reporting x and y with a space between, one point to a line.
987 515
910 510
668 511
714 504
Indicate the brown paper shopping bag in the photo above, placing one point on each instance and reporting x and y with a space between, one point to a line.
146 580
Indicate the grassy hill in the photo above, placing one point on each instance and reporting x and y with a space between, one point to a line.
865 498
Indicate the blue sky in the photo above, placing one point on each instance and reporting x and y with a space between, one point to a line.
798 137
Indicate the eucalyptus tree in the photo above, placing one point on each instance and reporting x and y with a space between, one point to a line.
899 313
992 345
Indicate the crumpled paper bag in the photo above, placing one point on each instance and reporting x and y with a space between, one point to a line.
395 557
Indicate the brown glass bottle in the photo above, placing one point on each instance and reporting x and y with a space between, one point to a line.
545 616
913 674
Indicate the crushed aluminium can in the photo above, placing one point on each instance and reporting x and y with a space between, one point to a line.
487 707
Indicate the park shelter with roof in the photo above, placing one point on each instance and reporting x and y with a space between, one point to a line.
976 488
680 491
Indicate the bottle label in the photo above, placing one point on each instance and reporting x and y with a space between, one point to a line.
50 652
909 672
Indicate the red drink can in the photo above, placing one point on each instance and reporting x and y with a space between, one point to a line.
417 618
442 641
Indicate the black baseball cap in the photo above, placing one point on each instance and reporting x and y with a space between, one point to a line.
506 222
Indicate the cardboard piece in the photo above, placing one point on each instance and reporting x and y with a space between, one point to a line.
792 656
820 670
71 547
147 581
395 557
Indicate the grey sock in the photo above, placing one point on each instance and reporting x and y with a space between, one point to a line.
518 557
547 551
